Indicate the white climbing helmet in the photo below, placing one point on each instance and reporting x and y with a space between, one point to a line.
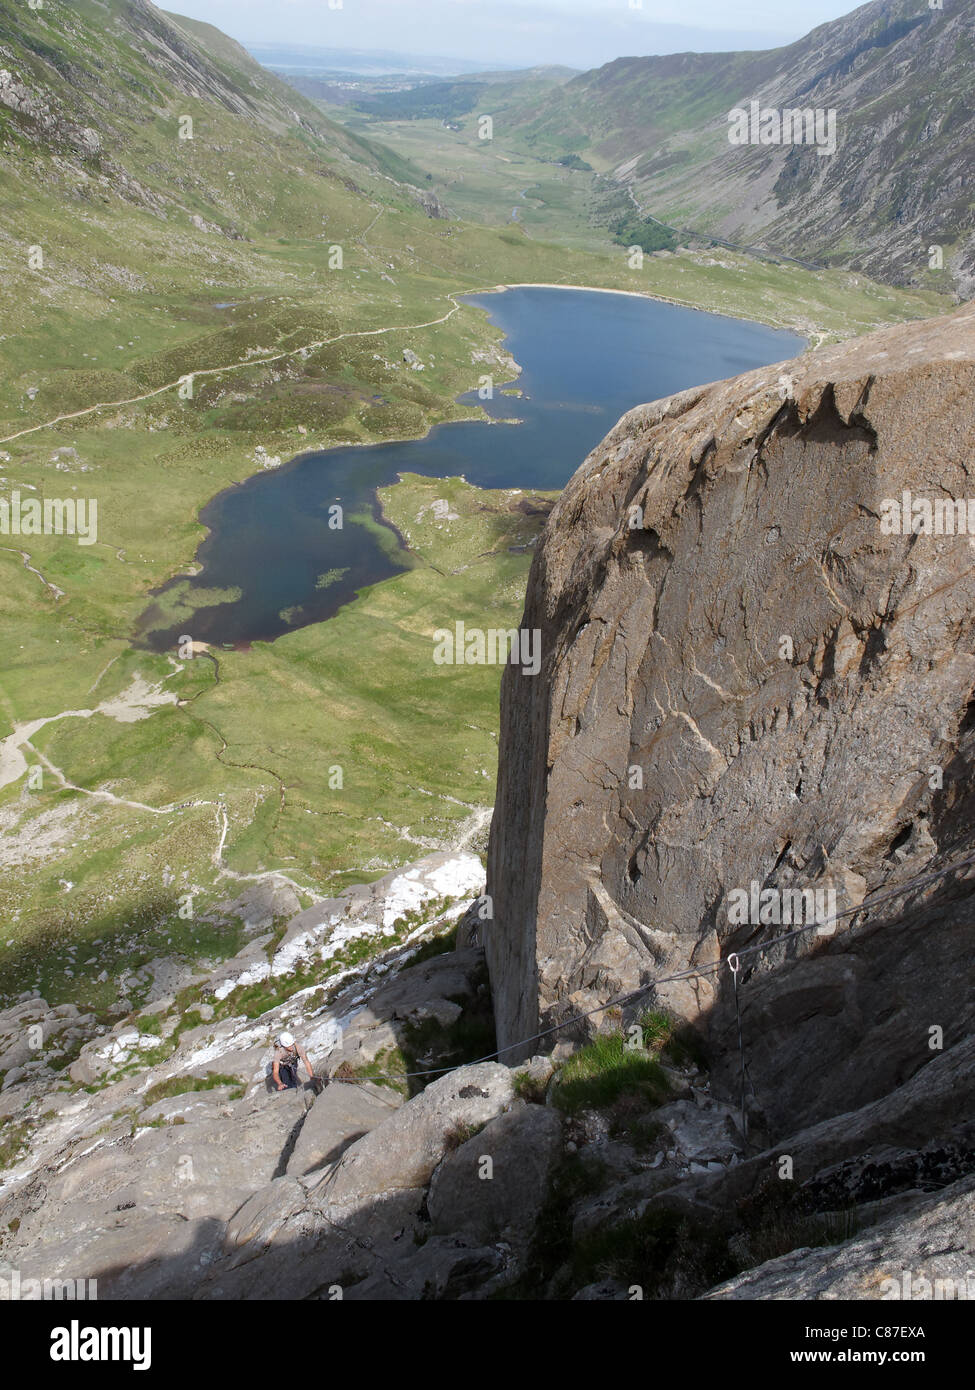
286 1040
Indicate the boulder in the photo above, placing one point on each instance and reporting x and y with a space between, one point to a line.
403 1151
702 1132
754 674
494 1185
430 991
341 1115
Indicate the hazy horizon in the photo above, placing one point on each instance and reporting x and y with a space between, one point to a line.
518 33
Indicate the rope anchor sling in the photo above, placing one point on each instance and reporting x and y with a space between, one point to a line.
734 964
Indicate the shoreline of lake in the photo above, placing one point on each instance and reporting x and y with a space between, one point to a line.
786 326
580 366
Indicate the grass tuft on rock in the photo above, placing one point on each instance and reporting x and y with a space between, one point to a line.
182 1085
530 1088
13 1142
601 1073
388 1068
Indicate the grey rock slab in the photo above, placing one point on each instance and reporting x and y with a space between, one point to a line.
494 1185
151 1257
442 1268
188 1108
702 1132
403 1151
342 1114
924 1256
284 1244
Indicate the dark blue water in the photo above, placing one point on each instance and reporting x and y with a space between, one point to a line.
586 359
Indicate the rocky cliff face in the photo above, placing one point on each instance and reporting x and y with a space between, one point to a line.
750 676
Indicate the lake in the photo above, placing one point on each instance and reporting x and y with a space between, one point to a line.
586 358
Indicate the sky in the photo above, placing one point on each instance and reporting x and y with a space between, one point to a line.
523 33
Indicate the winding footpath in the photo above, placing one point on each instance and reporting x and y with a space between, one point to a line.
25 556
135 703
234 367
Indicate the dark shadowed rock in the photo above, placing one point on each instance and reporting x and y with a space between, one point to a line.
499 1199
925 1256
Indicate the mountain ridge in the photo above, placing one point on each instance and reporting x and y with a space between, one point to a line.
899 182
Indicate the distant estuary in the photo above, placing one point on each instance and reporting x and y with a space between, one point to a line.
272 563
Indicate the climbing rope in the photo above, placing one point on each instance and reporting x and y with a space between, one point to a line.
698 972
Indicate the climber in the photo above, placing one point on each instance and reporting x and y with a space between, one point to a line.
284 1067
